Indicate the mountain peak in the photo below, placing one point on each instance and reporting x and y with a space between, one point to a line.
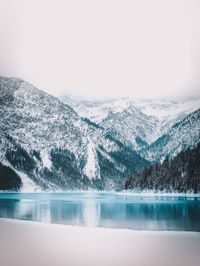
46 141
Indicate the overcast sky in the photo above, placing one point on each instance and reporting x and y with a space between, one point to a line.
100 49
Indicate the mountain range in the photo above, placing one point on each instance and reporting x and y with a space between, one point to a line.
55 144
154 128
51 147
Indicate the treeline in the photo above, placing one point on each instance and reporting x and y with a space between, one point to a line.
181 174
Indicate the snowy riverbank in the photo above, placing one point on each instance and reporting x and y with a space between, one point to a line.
148 193
31 243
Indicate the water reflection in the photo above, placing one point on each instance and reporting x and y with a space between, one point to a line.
106 210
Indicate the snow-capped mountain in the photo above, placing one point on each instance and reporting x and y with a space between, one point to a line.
131 126
140 123
163 109
182 135
168 112
121 118
94 110
48 145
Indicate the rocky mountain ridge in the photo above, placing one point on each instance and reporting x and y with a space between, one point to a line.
51 147
142 124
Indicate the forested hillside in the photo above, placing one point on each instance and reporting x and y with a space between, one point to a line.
181 174
9 180
50 147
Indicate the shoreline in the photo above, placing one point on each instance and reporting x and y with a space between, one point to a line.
125 193
34 243
82 227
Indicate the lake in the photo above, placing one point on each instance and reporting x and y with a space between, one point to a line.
104 210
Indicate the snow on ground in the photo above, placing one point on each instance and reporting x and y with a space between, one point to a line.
27 184
51 244
45 159
90 168
152 193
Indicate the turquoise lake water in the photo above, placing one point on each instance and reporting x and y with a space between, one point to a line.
104 210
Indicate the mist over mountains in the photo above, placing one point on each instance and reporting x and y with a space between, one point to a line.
60 144
152 127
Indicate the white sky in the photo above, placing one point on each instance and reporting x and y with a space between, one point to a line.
143 48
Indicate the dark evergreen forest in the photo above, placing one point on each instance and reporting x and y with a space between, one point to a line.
9 180
181 174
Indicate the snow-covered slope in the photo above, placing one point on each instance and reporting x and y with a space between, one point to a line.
131 126
120 118
167 109
182 135
163 109
50 143
168 112
94 110
140 123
